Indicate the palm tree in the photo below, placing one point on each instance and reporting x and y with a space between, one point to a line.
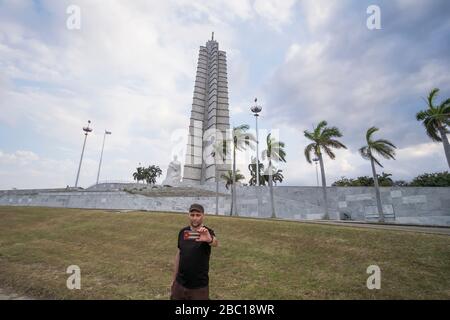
151 173
241 140
229 177
220 149
384 148
277 177
436 119
136 175
385 179
274 152
252 169
139 175
323 139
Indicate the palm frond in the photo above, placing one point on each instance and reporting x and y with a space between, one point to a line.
434 118
331 132
383 147
309 148
322 124
370 132
383 150
431 129
433 93
329 152
335 144
364 152
309 135
386 142
422 115
242 127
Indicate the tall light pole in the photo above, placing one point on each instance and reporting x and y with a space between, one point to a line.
86 131
101 154
317 172
256 109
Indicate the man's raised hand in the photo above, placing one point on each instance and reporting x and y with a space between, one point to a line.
204 235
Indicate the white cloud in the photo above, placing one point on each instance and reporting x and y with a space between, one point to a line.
275 13
320 13
26 169
421 150
130 69
20 157
353 78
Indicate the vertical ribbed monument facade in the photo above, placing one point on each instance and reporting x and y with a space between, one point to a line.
209 115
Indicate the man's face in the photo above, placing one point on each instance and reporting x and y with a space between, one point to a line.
196 218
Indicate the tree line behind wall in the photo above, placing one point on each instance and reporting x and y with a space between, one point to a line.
437 179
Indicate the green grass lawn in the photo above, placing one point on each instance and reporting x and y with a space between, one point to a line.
130 256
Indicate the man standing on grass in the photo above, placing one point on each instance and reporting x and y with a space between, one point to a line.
190 277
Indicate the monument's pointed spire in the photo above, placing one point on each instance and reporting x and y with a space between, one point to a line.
212 36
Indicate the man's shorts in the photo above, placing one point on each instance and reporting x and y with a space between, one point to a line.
178 292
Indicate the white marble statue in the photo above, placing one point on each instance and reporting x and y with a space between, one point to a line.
173 175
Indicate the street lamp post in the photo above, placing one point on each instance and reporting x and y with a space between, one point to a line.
86 131
256 109
101 154
317 172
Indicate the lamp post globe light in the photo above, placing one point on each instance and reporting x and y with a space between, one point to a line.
86 131
256 109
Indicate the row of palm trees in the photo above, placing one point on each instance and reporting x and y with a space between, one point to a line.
277 176
323 140
240 140
435 120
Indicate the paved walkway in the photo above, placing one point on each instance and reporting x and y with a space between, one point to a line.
372 225
409 228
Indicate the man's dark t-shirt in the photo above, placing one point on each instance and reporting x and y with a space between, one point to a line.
194 261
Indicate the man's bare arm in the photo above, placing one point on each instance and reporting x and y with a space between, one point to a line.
177 263
215 242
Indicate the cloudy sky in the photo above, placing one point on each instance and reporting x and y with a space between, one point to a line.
130 69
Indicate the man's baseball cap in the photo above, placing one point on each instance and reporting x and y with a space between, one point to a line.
196 207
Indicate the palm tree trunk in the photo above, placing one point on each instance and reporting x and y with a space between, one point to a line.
377 191
233 186
272 202
444 138
324 187
232 202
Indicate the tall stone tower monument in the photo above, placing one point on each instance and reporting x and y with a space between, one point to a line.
209 113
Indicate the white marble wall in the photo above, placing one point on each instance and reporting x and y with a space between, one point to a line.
416 205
